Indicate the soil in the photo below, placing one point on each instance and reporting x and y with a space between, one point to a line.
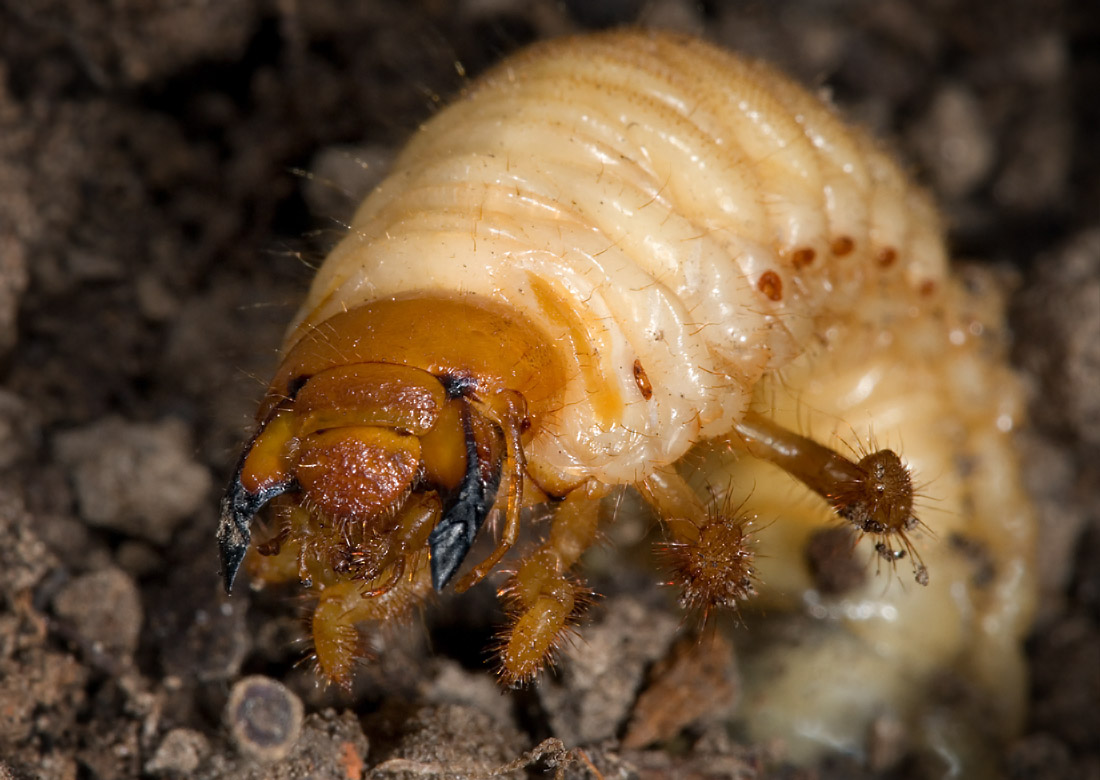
170 174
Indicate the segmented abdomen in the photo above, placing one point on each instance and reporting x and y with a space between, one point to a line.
677 219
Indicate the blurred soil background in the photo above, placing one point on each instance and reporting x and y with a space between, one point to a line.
170 171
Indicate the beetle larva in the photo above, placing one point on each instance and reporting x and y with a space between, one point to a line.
609 250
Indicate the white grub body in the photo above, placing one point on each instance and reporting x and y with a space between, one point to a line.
943 662
649 200
628 192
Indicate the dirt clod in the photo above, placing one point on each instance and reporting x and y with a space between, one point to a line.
180 752
24 558
103 610
136 478
591 696
1058 317
698 678
450 739
830 553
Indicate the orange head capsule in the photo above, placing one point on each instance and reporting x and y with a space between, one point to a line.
354 429
388 446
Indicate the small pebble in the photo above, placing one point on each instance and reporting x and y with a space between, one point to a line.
180 752
136 478
676 15
835 569
264 718
104 610
450 740
954 142
599 677
1057 330
453 684
341 176
24 558
18 429
138 559
1039 756
13 269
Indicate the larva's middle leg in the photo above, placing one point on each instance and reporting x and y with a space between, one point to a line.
542 596
708 550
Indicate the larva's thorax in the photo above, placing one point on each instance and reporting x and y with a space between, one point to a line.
640 199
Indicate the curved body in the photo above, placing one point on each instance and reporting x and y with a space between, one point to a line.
608 251
639 198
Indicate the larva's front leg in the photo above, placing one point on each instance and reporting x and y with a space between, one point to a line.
344 606
542 597
508 411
